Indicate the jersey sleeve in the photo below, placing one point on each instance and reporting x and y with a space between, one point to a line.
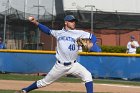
85 35
93 39
47 30
128 44
55 33
44 29
137 44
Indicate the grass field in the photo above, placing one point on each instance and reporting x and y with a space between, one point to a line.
65 79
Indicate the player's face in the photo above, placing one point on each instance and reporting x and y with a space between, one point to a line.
70 25
132 39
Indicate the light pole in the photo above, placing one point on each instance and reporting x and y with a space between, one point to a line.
5 19
4 32
91 6
52 39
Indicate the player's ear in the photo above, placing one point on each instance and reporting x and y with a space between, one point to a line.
65 23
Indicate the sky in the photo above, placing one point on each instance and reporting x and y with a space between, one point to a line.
131 6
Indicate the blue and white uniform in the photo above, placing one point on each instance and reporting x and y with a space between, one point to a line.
132 45
132 50
67 47
66 53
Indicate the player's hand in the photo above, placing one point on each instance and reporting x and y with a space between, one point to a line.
33 20
86 44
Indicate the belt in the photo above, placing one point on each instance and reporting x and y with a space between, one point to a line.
66 64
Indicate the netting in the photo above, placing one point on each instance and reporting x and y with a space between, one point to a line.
18 33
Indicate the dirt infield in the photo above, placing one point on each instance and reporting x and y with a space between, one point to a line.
77 87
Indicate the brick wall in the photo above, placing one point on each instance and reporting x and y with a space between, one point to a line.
104 37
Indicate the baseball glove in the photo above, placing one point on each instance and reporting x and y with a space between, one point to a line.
133 45
86 44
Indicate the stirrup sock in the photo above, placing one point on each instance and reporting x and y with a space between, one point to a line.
89 87
31 87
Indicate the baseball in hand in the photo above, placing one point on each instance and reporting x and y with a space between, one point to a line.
31 18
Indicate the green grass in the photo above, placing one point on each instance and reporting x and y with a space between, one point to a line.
64 79
12 91
19 77
35 77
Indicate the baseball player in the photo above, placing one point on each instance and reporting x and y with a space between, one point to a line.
2 45
66 55
132 45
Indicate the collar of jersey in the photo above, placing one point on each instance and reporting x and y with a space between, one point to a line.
66 30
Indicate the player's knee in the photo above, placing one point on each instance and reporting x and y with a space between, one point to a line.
42 83
88 77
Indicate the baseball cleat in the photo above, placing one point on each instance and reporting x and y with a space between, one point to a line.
21 91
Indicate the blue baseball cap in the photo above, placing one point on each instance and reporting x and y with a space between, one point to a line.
132 37
69 18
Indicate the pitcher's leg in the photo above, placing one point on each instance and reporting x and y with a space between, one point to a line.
31 87
82 72
56 72
89 87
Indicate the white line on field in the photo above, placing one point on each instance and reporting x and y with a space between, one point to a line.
125 86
